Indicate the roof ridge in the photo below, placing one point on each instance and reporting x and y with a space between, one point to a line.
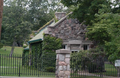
60 20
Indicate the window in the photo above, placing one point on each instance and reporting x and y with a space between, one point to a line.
85 47
63 46
74 51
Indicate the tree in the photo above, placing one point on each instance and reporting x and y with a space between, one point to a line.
42 11
16 28
85 10
102 20
108 29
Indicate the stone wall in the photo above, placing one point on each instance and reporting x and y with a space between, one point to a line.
63 63
69 29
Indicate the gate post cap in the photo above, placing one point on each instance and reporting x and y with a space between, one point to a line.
63 51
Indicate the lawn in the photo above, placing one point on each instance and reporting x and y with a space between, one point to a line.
17 50
85 77
110 70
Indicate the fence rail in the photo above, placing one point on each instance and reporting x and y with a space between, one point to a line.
98 68
19 65
35 65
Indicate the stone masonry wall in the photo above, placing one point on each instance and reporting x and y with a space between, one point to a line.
69 29
63 63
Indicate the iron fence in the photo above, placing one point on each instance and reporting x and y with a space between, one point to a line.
31 65
98 68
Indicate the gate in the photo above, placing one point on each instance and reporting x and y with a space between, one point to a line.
19 65
98 68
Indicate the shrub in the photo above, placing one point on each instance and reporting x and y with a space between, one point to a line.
92 67
50 45
90 60
50 69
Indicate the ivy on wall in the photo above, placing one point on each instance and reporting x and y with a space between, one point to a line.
24 56
36 52
42 55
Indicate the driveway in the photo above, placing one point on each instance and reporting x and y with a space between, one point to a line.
23 77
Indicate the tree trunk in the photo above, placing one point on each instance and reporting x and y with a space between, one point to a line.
30 55
1 10
12 49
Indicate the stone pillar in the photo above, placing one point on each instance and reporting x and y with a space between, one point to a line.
63 63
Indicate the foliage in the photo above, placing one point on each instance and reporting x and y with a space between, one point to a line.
25 56
42 11
102 20
50 45
35 54
1 45
85 59
108 30
50 69
79 59
16 28
20 16
86 9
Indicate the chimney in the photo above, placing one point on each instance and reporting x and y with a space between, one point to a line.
60 15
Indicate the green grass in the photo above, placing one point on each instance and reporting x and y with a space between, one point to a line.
110 70
17 50
85 77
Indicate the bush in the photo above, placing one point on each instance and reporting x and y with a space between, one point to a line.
92 61
50 45
92 67
50 69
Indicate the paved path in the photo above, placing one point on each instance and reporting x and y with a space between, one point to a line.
23 77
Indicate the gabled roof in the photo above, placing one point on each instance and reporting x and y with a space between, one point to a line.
62 19
39 36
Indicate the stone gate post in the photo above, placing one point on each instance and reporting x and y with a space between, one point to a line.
63 63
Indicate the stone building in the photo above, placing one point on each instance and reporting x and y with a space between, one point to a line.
69 30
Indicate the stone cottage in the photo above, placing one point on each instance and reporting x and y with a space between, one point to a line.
69 30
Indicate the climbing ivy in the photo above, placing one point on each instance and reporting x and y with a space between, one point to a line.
42 54
36 52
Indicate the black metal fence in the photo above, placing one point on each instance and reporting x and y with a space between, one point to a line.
31 65
98 68
34 65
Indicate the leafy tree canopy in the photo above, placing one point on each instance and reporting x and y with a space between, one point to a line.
84 10
15 26
102 20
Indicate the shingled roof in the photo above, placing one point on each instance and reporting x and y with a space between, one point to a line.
39 36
